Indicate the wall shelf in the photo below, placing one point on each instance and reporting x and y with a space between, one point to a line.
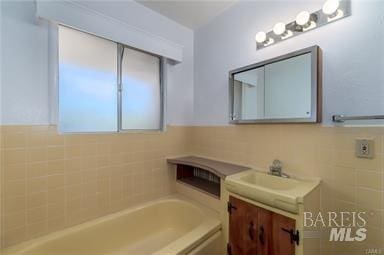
204 174
219 168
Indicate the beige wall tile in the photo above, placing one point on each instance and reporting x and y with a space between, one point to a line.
73 191
15 172
375 237
14 236
56 167
344 192
37 185
37 169
56 196
73 139
37 154
14 140
349 183
14 156
36 229
53 181
54 139
37 214
369 179
72 151
14 188
345 175
88 149
73 165
14 204
72 178
36 200
55 224
374 217
55 153
369 198
56 210
36 139
89 163
14 220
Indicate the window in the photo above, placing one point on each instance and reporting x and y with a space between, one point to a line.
140 90
107 87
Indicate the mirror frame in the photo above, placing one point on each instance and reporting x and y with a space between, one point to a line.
316 88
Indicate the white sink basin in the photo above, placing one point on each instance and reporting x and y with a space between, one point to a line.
278 192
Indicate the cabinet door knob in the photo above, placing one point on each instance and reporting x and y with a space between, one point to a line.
250 230
261 235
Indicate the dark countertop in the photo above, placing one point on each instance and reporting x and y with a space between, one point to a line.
220 168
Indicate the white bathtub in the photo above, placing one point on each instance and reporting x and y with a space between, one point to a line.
171 225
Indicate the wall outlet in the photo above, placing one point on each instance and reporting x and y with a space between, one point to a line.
364 148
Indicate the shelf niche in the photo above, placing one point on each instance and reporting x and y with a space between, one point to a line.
199 178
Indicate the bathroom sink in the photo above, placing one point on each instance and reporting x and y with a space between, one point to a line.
268 181
282 193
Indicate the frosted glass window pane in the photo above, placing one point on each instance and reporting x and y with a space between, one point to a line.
87 82
141 90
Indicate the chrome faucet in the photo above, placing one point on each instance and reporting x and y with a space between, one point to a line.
276 169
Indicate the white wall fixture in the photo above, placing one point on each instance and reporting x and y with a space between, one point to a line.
331 11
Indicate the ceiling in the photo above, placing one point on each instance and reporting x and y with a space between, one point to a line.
192 14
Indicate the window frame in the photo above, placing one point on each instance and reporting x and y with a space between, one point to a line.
55 79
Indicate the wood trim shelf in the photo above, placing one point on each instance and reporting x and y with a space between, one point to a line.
219 168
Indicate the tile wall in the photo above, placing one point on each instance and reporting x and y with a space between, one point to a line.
349 183
51 181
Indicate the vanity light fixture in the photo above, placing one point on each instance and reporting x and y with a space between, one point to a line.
332 10
306 20
261 38
281 30
303 18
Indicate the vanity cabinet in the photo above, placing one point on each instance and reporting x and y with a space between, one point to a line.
256 231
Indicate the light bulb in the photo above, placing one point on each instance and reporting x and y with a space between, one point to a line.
279 28
303 18
261 37
330 7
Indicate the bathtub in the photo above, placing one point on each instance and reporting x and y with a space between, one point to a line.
171 225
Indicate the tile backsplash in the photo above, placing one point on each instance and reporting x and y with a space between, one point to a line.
52 181
348 183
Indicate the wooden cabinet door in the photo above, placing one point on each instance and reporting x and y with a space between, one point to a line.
264 232
256 231
242 227
281 239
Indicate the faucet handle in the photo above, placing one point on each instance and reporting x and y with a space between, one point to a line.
277 164
277 169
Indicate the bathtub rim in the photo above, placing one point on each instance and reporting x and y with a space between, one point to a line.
210 218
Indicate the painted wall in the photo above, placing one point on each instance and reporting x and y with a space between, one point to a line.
24 70
353 58
1 55
25 81
353 52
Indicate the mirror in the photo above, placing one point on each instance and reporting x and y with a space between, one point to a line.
283 89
